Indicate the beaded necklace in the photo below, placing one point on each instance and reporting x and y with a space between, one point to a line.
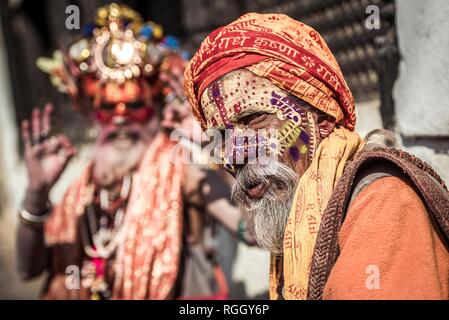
102 232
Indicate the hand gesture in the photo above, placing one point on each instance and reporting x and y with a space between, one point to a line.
46 156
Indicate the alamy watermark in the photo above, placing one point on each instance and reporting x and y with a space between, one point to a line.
372 281
372 22
73 277
229 146
73 20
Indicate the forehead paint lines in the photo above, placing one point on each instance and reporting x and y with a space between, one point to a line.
287 106
292 130
215 93
241 90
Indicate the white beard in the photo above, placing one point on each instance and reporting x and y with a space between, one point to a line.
267 216
114 160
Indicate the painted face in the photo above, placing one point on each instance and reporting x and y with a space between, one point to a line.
127 102
240 101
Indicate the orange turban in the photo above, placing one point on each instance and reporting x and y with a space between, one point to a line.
290 54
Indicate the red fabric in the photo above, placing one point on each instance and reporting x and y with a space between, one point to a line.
147 260
290 54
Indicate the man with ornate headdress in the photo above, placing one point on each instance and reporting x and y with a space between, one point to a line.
343 218
132 222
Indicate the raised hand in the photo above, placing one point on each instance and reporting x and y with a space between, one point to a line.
46 156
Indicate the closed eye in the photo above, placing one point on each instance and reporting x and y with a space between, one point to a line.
107 106
252 118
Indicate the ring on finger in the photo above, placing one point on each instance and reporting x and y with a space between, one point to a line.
36 140
44 135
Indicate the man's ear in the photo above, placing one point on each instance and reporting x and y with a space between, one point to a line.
325 127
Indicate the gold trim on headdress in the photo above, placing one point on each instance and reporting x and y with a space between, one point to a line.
120 46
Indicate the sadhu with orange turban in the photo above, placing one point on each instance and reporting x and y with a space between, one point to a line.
288 53
334 207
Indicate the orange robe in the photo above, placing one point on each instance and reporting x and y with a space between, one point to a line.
393 240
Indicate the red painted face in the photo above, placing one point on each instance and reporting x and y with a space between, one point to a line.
129 102
134 112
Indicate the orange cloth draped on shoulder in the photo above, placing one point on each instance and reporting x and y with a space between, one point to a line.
148 258
389 249
289 53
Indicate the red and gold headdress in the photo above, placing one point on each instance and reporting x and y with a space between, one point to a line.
119 46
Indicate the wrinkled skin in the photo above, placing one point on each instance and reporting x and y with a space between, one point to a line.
264 191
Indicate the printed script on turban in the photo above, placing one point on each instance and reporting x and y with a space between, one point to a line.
289 53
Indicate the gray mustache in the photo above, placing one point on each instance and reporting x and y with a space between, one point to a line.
267 216
279 176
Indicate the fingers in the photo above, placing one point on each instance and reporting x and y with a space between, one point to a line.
26 133
53 145
61 146
69 149
58 145
40 125
36 124
46 119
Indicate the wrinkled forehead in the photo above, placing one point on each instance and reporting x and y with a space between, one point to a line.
237 95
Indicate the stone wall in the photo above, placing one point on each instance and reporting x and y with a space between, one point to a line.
421 91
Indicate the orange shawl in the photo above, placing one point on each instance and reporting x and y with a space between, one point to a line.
147 260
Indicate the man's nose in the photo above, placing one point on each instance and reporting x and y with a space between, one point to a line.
120 108
120 114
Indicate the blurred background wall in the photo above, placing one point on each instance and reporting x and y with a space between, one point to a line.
397 72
